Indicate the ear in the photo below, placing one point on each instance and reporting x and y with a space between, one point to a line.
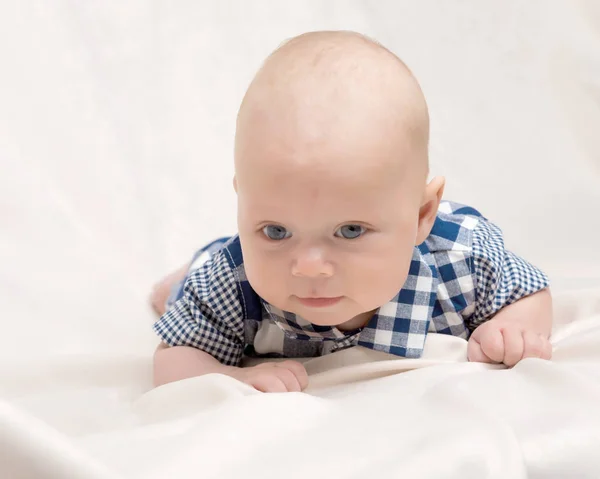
235 183
429 207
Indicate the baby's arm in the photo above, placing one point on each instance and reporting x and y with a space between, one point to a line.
203 333
532 313
518 331
182 362
512 318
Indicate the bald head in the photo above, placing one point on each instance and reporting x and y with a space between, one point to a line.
323 93
332 136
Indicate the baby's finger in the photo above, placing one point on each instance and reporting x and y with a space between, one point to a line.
533 346
513 346
268 383
475 354
299 371
492 345
288 378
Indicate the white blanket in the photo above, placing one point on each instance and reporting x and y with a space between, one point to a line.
363 413
116 125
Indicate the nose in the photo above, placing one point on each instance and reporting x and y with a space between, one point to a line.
311 263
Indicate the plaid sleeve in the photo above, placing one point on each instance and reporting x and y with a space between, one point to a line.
209 316
501 277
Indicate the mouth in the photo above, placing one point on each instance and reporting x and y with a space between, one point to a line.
319 302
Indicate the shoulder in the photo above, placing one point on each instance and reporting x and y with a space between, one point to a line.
453 228
218 260
223 279
212 280
458 209
451 245
232 252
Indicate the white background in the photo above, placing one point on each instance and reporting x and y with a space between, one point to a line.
116 129
117 121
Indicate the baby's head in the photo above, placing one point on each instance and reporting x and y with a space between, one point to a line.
331 162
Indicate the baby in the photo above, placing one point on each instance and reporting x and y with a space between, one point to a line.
342 239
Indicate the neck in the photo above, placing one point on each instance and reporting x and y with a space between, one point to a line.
356 322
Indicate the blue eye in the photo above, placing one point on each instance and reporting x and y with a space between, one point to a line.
350 231
276 233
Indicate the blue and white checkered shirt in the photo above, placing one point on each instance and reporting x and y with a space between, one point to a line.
458 278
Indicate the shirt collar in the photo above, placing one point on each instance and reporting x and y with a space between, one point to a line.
297 327
398 327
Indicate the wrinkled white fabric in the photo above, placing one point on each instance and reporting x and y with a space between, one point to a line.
363 413
116 127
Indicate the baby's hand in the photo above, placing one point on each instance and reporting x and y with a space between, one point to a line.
274 377
508 343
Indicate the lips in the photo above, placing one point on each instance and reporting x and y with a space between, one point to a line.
320 302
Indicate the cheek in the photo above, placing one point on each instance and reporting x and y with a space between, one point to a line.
263 274
380 275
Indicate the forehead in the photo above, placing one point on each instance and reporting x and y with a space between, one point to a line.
312 180
366 166
314 195
355 149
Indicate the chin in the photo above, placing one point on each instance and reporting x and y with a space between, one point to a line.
324 318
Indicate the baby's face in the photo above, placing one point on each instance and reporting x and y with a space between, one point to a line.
322 241
331 163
